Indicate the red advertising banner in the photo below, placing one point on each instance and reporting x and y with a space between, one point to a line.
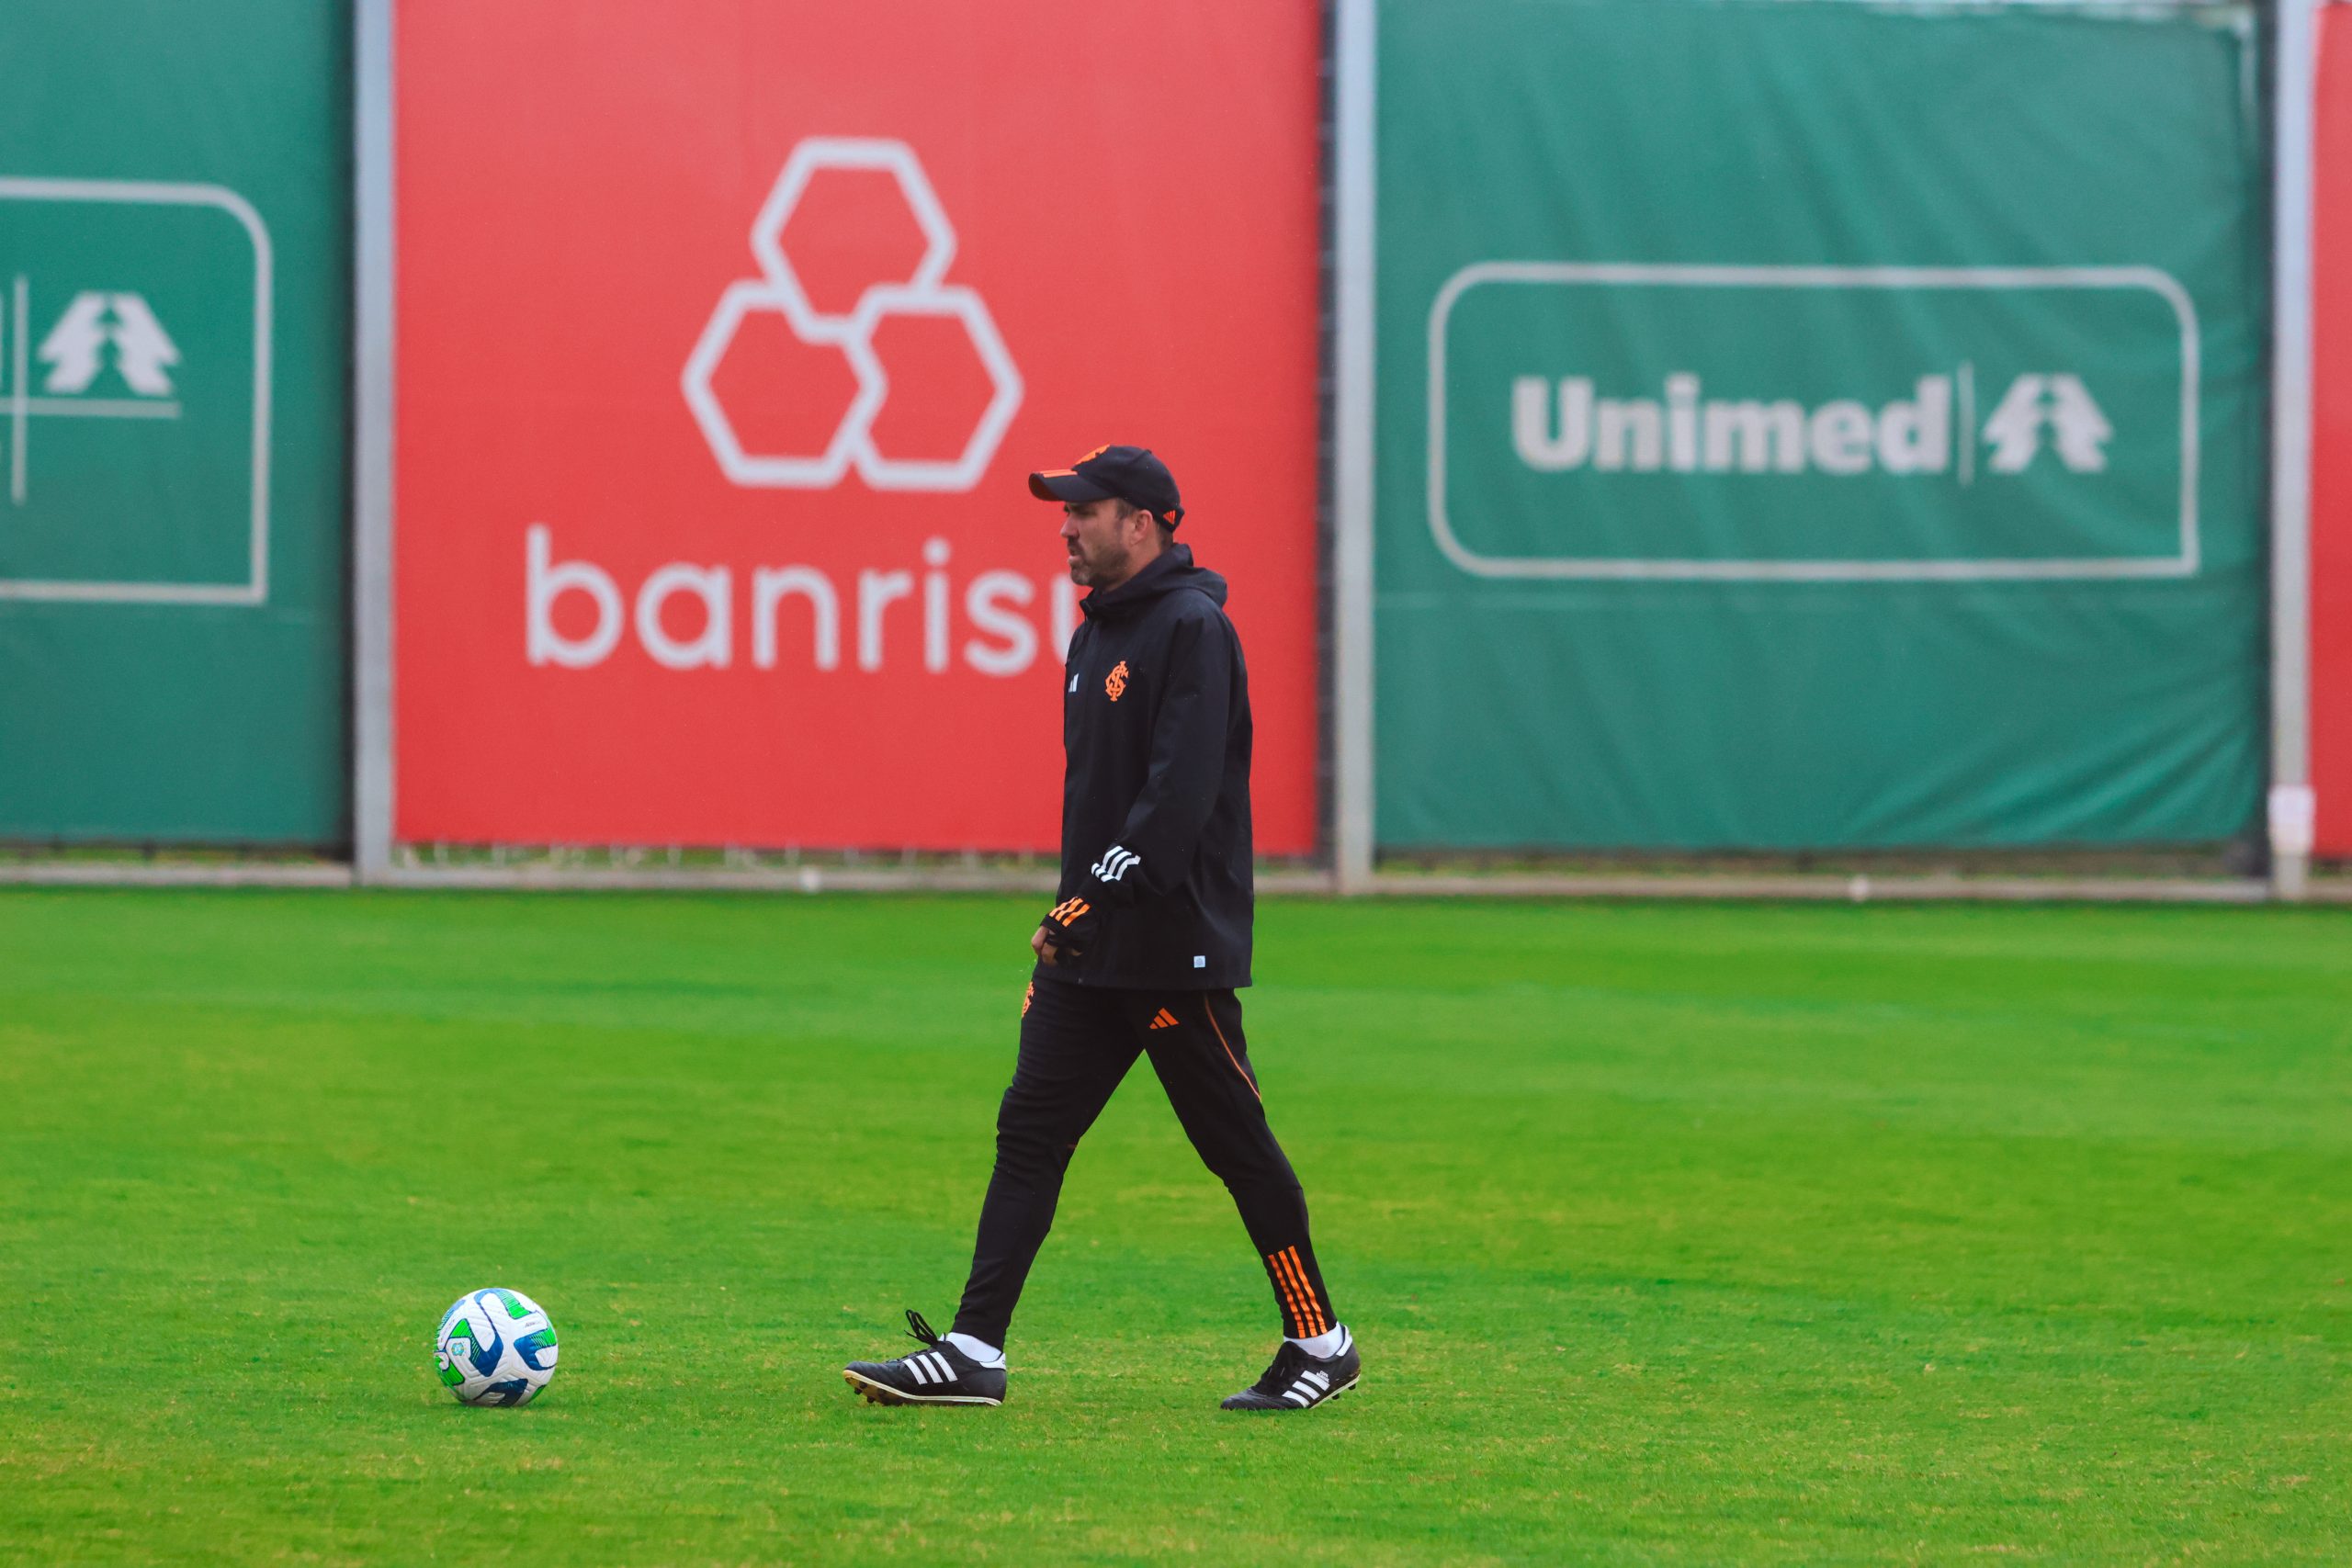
728 331
2331 674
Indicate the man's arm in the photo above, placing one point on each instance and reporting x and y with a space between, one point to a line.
1154 849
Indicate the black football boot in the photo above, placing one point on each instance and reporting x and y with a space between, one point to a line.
1300 1381
937 1374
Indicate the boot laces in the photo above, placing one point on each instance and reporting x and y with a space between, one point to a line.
919 1331
1289 1361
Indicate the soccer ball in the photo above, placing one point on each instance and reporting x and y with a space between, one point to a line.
495 1346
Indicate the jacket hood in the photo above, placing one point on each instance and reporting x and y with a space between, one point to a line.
1170 571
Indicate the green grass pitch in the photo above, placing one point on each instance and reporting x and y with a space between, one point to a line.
1679 1234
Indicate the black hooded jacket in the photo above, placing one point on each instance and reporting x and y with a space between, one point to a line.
1156 857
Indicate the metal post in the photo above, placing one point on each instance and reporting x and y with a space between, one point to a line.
371 456
1353 155
2290 805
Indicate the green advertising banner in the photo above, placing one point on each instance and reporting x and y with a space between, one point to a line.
1815 426
173 274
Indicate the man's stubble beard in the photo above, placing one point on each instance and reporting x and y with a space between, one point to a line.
1087 573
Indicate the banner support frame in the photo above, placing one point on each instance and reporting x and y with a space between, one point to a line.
2289 814
372 447
1354 167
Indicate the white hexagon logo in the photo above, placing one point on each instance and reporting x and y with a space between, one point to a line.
925 293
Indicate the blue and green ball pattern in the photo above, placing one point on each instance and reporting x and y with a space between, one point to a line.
495 1346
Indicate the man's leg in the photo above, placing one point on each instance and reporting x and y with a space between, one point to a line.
1075 1047
1196 1046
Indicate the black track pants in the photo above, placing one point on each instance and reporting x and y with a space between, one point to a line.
1076 1043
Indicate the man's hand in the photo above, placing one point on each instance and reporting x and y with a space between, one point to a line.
1067 931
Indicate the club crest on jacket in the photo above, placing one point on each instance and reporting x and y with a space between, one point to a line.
1117 682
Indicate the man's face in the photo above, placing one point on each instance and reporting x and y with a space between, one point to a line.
1101 544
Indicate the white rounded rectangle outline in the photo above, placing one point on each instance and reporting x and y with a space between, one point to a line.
2154 280
255 588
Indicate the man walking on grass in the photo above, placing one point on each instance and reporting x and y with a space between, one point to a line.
1145 947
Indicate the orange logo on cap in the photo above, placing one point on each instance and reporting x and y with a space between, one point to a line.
1092 455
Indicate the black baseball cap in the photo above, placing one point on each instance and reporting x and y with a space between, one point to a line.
1130 473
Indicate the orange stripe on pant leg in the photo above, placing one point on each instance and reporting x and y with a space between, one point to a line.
1283 1291
1306 1293
1228 1051
1290 1293
1311 1320
1307 1288
1313 1301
